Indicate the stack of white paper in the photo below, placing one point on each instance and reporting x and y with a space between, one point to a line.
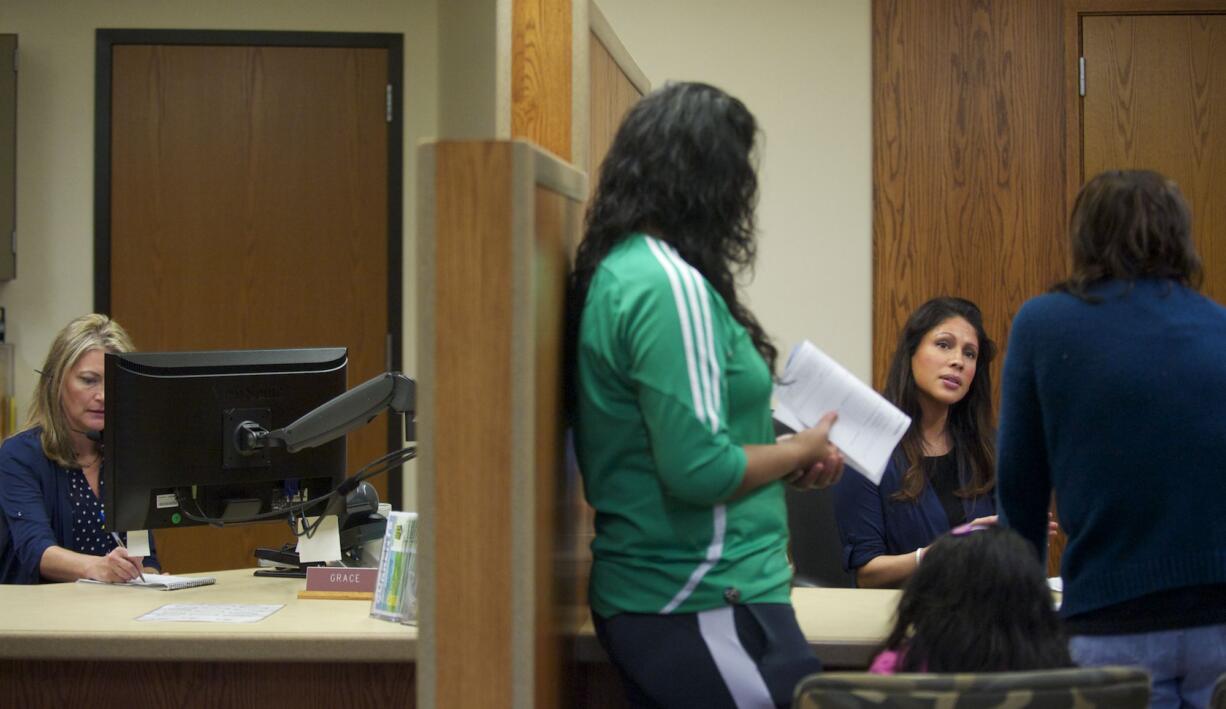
868 427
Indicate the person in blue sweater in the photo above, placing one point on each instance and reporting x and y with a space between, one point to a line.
52 526
1114 397
943 471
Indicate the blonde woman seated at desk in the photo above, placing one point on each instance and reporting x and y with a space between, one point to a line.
51 473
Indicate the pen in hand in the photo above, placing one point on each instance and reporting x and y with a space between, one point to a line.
119 541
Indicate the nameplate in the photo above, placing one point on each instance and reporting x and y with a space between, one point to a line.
339 578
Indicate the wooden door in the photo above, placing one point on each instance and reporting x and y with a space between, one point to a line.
249 208
1155 98
967 195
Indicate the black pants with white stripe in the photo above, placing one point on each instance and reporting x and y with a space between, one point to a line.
737 656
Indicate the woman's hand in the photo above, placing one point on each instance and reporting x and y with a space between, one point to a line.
807 459
115 567
1052 525
821 462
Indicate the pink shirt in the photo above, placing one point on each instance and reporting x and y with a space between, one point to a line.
886 662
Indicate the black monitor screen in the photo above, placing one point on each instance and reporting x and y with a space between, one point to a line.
170 434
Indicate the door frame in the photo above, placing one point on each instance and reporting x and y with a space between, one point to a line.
108 39
1074 10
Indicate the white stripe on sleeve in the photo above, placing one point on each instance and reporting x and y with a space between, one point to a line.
698 301
691 361
704 333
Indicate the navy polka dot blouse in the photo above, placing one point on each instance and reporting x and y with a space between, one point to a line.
89 531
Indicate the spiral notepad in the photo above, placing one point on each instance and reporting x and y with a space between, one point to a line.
161 582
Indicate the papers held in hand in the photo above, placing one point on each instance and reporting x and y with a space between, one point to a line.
868 427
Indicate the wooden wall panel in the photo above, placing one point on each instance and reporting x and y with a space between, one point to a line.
472 349
121 685
968 162
542 55
497 618
558 588
612 95
968 159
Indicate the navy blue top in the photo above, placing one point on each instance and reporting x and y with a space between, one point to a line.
89 532
1120 407
871 524
36 502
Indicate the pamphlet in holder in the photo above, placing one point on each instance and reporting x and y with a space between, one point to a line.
396 586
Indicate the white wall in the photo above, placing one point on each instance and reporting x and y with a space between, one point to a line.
55 145
803 68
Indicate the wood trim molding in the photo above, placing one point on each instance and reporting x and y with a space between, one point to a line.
604 32
581 84
1145 7
556 175
427 591
504 81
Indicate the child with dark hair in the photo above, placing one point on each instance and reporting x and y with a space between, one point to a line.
979 602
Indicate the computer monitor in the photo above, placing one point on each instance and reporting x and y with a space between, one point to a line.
171 442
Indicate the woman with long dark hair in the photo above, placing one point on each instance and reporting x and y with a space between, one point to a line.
670 389
1114 397
943 471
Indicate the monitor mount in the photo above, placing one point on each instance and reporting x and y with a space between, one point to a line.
355 408
333 419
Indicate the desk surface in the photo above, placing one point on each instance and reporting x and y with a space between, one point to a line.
88 621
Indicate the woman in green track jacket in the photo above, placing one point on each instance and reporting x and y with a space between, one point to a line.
671 380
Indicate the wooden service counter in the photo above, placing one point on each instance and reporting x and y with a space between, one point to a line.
80 644
77 644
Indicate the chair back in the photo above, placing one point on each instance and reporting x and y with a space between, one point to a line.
1107 687
1219 694
813 535
816 550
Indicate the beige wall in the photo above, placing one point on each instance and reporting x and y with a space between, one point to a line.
56 147
803 68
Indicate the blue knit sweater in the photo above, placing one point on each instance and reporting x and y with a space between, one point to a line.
1120 408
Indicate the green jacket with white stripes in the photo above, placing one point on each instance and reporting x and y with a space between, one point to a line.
670 388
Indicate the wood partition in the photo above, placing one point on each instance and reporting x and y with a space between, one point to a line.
542 57
497 600
615 84
968 161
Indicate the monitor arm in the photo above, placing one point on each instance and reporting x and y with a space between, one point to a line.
335 418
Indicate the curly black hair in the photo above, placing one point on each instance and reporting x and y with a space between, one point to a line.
979 602
681 168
